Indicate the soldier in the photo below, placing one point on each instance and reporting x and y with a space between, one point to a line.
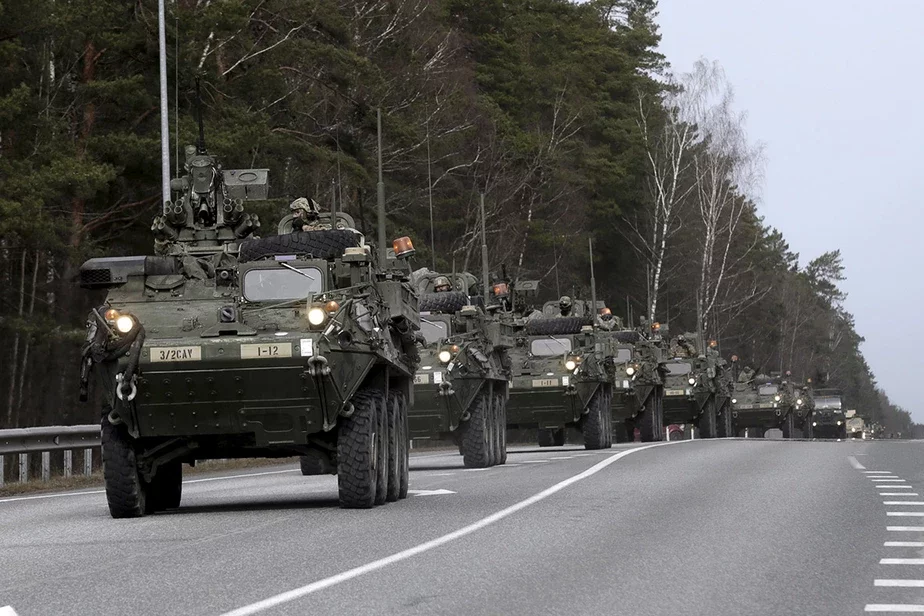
747 375
605 319
441 284
306 214
682 348
565 305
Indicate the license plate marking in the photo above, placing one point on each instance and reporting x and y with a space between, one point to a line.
186 353
545 382
674 392
266 351
421 379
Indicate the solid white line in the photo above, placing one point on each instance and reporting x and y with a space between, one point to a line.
900 583
854 463
901 561
534 461
905 514
878 472
581 455
903 544
905 528
898 494
291 470
563 458
903 502
308 589
894 607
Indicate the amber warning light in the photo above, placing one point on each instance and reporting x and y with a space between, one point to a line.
403 247
500 289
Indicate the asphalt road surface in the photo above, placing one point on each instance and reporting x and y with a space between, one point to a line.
693 527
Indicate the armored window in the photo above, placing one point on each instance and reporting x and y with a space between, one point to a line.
549 347
679 368
623 355
261 285
434 331
767 390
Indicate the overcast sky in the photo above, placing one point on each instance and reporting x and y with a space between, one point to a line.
835 89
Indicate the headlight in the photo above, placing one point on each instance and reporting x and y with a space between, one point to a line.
691 381
445 356
734 400
317 316
839 422
570 365
777 398
125 324
630 370
799 402
814 423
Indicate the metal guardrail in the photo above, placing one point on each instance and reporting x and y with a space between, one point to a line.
44 440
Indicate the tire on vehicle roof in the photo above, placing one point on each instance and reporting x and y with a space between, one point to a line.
323 244
559 326
447 301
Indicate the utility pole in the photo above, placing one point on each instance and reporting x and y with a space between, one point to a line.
164 117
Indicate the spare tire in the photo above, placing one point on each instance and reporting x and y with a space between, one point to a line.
323 244
628 337
447 301
559 326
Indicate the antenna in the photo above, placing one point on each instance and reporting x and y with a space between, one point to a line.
164 118
484 253
593 283
430 197
333 204
200 144
380 187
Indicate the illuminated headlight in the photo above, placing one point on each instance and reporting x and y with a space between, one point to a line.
317 316
734 400
814 423
839 422
691 381
630 370
777 398
445 356
570 365
125 324
799 402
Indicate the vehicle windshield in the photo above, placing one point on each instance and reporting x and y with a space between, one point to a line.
548 347
623 355
260 285
767 390
679 368
824 403
433 331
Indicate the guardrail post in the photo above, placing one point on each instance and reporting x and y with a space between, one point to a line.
46 465
23 467
68 463
87 462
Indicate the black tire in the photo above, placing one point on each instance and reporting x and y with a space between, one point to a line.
500 400
649 421
395 450
357 470
608 410
809 431
559 326
405 442
493 448
166 488
593 426
126 491
476 444
546 437
382 447
325 244
313 465
789 425
707 424
448 302
726 427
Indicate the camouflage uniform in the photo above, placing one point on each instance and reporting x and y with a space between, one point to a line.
746 376
306 216
441 284
565 305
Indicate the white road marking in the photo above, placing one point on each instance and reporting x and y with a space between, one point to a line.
356 572
885 478
896 487
889 480
878 472
436 474
562 458
430 492
903 544
7 610
533 461
581 455
901 529
476 470
901 561
898 494
293 470
905 514
903 502
895 607
854 463
900 583
509 465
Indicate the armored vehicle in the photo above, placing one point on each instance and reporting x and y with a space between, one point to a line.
828 418
765 402
855 425
559 378
224 345
692 386
460 389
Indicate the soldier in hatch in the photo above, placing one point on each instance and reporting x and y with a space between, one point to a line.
746 375
565 305
441 284
682 347
306 215
605 319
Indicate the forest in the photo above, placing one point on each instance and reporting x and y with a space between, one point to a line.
563 114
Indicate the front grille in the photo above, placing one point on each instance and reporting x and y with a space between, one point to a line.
95 277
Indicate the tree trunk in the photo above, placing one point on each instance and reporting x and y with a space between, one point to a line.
78 205
28 344
11 398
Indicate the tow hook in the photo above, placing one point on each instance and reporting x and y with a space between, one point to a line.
318 366
446 389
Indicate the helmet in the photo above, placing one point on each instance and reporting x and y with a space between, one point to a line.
308 206
606 314
441 283
565 302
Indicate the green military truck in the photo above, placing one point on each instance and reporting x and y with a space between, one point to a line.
828 418
638 384
692 387
763 402
559 378
224 345
460 388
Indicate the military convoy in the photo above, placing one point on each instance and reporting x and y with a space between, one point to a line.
828 418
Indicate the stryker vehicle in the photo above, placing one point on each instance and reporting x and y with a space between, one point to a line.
765 402
691 387
559 379
229 346
460 389
828 419
855 425
638 384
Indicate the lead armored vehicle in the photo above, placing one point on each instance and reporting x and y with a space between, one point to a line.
828 419
224 345
460 389
560 379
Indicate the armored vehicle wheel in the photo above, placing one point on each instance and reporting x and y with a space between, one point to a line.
621 432
707 422
560 326
501 404
315 465
789 425
649 420
166 487
448 302
382 447
593 427
548 437
405 457
357 459
324 244
726 427
608 412
808 431
126 491
396 450
476 444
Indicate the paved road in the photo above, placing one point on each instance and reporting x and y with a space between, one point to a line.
704 527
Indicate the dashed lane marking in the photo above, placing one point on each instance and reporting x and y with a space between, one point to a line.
918 503
885 478
562 458
855 463
895 607
901 561
905 514
898 494
896 487
904 529
7 610
878 472
899 583
397 557
890 480
903 544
